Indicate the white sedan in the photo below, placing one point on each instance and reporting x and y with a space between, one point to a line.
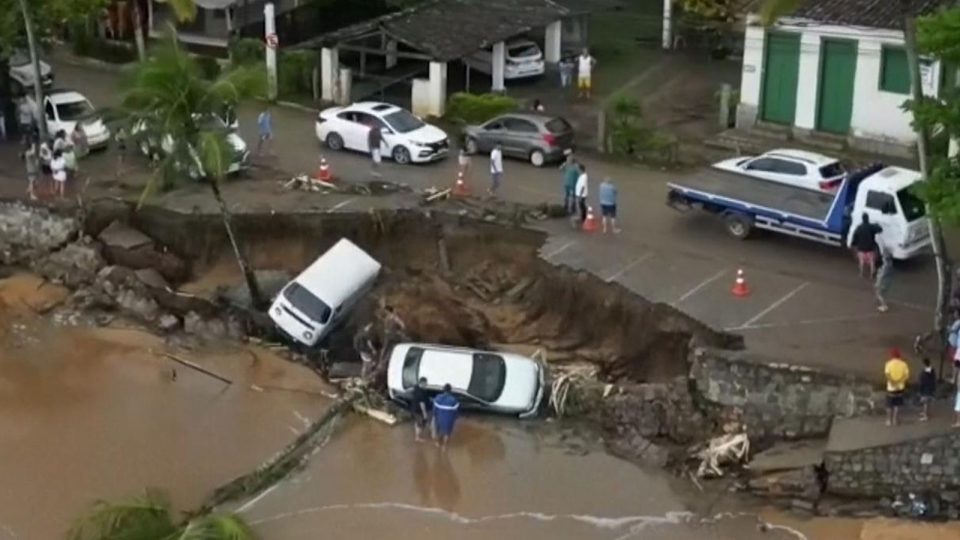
63 109
493 381
798 168
406 138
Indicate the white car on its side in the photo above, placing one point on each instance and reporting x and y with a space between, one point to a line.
406 138
22 75
492 381
522 59
63 109
797 168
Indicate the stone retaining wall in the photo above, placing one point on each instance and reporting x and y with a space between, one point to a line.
777 400
919 466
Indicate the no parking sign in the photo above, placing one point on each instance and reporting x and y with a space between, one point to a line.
272 41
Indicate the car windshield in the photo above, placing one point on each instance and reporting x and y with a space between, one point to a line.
488 377
558 125
403 122
912 205
832 170
523 50
411 367
74 110
307 303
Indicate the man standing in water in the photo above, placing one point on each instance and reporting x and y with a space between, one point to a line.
446 407
420 408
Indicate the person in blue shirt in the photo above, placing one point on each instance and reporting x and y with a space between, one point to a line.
608 205
570 171
446 407
265 127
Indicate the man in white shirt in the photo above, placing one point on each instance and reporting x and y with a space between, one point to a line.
582 190
585 64
58 167
496 169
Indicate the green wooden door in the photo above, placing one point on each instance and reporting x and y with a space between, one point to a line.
781 72
838 68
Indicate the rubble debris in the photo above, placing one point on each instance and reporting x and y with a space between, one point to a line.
433 194
727 449
303 182
125 246
28 233
75 265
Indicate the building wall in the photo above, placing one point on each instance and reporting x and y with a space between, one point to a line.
877 115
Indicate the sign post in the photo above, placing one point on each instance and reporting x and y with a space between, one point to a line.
272 43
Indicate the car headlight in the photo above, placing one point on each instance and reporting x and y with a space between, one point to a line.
420 144
308 335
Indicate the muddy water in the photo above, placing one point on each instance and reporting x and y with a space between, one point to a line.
88 413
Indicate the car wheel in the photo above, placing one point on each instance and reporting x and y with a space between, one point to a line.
401 155
738 225
471 146
334 142
537 159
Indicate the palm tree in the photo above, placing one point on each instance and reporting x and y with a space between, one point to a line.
168 101
149 517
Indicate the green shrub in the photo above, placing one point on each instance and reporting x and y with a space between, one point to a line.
630 136
295 72
464 108
84 43
246 51
209 67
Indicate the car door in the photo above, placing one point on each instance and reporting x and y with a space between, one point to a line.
521 137
50 114
491 134
353 133
882 209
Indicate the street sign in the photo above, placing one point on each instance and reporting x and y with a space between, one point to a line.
272 41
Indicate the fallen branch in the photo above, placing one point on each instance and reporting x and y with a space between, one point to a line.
197 367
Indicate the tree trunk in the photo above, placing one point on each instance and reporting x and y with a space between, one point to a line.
138 31
936 234
37 79
256 297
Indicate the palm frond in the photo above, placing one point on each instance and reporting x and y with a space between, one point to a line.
146 517
214 153
217 527
183 10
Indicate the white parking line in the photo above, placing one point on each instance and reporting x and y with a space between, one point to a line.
772 307
827 320
699 287
559 250
340 205
626 268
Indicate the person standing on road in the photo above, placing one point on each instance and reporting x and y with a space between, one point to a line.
265 127
463 160
566 73
585 65
58 166
928 388
571 171
420 409
81 144
363 344
496 169
446 407
31 162
864 243
25 119
897 374
608 205
120 137
374 142
884 278
582 191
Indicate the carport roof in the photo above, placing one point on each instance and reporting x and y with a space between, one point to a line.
446 30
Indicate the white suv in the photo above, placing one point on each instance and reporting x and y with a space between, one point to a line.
798 168
406 138
522 59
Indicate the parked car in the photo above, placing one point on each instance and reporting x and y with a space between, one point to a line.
522 59
492 381
149 145
322 295
797 168
406 138
63 109
21 72
535 137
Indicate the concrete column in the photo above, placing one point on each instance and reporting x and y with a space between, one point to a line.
329 70
553 41
805 115
668 24
391 53
438 88
498 59
344 87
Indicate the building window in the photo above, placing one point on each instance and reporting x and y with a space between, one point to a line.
894 73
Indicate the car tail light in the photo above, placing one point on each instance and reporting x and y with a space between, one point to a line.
549 139
320 118
832 184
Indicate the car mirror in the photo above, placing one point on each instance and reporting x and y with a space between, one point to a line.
385 131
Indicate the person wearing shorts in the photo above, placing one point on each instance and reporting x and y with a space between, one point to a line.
31 161
864 243
608 205
897 373
585 64
374 143
58 166
928 388
446 407
582 191
420 408
265 129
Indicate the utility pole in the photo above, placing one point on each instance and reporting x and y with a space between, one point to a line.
272 42
37 79
916 88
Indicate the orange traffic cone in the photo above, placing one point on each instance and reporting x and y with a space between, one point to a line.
460 189
323 173
590 224
740 288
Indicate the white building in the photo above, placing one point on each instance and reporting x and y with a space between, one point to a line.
836 67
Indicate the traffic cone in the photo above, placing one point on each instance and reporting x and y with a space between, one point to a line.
460 189
590 224
323 172
740 288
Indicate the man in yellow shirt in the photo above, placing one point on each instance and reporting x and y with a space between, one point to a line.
897 373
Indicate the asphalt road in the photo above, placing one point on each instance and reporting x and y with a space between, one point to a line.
807 303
